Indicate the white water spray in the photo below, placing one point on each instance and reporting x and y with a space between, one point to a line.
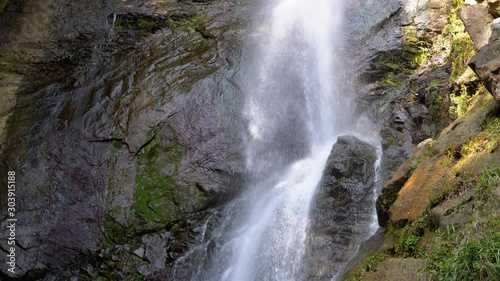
294 109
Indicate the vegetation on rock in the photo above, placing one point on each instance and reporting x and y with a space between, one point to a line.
441 204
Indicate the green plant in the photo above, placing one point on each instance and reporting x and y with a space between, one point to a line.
456 208
492 129
188 25
488 180
146 25
460 100
471 260
429 151
3 4
410 244
369 264
488 139
406 239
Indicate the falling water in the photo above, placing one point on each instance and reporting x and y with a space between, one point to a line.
294 111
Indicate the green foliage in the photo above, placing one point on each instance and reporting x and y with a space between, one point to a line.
410 243
492 129
456 208
141 24
489 180
3 4
397 66
470 252
146 25
467 255
7 69
460 100
406 239
488 141
188 25
369 264
429 151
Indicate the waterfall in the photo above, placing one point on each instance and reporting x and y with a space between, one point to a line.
295 107
293 110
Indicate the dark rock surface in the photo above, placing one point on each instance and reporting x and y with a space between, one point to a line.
482 21
486 64
135 134
343 207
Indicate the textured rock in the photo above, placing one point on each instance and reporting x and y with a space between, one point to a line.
493 6
131 136
399 269
419 189
477 21
486 64
410 110
343 207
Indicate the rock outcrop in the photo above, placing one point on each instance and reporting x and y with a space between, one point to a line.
343 210
482 22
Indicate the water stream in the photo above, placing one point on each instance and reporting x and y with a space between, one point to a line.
295 107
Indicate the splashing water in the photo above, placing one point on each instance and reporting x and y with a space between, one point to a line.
294 110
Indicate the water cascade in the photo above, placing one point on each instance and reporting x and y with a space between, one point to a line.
295 107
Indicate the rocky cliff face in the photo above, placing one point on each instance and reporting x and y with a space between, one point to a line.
122 125
449 187
121 120
483 24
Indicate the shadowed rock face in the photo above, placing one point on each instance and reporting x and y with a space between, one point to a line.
482 23
343 207
116 149
486 64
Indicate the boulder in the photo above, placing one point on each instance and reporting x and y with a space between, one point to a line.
486 64
342 211
493 6
477 21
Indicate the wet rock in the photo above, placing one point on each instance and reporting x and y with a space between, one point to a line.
477 21
373 25
342 211
125 142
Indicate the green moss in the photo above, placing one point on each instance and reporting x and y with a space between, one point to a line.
146 25
493 134
7 69
3 4
140 24
406 239
488 140
115 233
429 151
396 67
188 25
156 195
369 264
